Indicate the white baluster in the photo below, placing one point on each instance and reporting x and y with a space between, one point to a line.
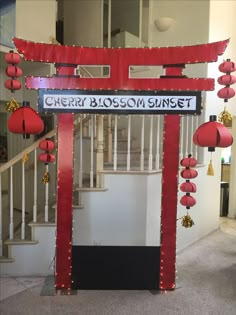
181 155
186 136
128 145
11 225
0 214
91 150
35 186
191 136
158 143
142 144
195 154
95 126
115 145
150 144
81 153
23 201
46 197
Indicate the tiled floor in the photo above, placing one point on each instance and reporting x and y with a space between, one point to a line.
12 286
228 225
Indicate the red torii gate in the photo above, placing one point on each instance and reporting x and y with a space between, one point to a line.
173 60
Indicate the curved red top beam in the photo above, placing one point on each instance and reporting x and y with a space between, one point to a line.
53 53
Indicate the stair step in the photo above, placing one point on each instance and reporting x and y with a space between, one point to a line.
95 189
42 224
73 206
6 260
20 242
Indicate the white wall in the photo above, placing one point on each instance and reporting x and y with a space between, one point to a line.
120 215
36 19
83 22
223 26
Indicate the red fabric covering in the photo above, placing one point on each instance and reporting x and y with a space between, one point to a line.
212 134
25 120
169 201
64 198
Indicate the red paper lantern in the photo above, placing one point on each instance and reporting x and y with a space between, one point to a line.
226 79
188 162
212 134
12 58
12 84
226 93
13 71
189 173
26 121
187 201
227 66
46 145
188 187
46 158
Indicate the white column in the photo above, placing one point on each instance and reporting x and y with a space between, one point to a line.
158 144
115 145
99 155
142 144
35 186
46 198
81 152
128 144
11 225
23 202
150 144
91 150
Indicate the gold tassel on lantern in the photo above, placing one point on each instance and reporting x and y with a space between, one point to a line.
25 158
12 105
187 221
210 170
225 118
45 178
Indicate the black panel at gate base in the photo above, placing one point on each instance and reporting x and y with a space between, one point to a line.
115 267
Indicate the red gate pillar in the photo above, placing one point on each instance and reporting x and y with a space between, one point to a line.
64 194
169 201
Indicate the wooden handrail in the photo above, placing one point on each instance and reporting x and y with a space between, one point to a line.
29 149
34 145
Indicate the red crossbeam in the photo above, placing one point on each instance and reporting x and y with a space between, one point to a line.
121 57
164 84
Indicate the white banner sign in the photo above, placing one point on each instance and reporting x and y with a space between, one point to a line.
131 103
